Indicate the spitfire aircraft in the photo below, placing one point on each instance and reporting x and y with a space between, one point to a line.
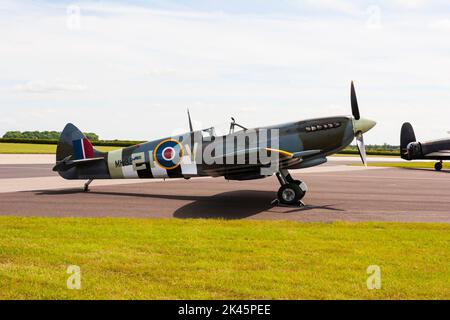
412 150
242 154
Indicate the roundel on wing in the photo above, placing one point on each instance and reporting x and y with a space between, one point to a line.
168 154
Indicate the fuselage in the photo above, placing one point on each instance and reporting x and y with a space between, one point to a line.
432 150
201 153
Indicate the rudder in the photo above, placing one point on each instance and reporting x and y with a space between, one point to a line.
407 136
76 158
74 143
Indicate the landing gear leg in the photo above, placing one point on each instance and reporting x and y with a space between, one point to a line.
291 191
86 185
438 166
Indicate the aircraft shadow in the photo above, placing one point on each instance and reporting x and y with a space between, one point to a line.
231 205
228 205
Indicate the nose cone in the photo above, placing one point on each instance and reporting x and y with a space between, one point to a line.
363 125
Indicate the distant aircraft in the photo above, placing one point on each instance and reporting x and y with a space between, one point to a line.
432 150
261 153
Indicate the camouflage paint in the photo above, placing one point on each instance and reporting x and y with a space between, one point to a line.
139 161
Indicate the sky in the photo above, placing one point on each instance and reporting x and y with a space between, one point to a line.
130 69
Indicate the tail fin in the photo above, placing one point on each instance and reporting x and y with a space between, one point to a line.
74 144
406 137
76 158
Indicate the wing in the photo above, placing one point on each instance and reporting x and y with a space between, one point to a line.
283 155
294 155
441 153
248 170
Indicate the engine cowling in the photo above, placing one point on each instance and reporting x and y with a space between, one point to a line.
414 151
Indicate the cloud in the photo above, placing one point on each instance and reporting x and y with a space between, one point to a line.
411 4
48 87
341 6
443 24
157 72
139 67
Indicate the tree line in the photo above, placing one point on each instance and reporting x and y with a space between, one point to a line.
43 135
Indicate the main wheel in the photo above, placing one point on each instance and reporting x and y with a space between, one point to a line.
438 166
290 194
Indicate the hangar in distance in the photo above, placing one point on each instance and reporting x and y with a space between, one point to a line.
242 154
411 149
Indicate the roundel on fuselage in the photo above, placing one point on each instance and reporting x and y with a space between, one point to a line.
168 154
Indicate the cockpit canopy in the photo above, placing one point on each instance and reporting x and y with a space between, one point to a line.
209 132
222 129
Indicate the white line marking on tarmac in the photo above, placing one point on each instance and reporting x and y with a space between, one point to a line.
27 158
336 168
390 178
371 159
48 183
19 167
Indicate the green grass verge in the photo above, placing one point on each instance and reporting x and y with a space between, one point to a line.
213 259
418 165
29 148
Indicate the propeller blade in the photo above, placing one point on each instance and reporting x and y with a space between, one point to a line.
354 102
361 148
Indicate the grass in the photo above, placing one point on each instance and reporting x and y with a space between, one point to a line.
29 148
214 259
418 165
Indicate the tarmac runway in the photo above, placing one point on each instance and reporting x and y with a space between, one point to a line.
337 192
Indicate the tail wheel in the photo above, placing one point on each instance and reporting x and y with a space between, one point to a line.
438 166
290 194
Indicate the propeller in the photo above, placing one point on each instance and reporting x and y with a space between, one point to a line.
361 147
354 101
360 125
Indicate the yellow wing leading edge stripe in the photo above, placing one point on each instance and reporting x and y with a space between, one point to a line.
285 153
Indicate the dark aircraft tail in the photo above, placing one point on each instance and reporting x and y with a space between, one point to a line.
75 155
406 137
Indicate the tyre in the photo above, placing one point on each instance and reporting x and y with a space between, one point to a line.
438 166
290 194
